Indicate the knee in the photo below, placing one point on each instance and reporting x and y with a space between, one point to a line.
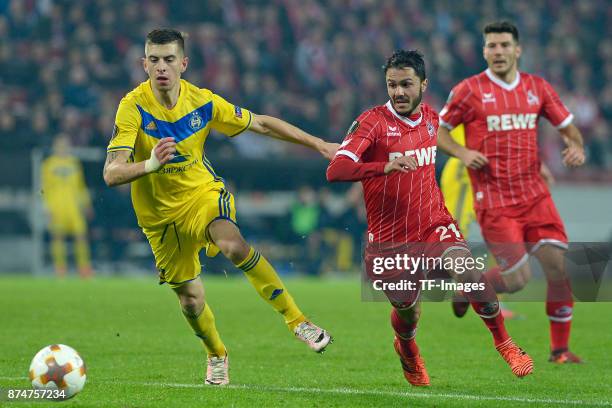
409 315
192 305
469 276
554 271
515 283
517 280
236 250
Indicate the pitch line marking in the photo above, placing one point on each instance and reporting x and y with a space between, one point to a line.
351 391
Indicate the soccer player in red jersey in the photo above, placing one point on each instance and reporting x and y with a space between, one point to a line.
500 108
391 149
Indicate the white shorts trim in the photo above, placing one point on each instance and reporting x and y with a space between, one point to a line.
451 248
548 241
517 265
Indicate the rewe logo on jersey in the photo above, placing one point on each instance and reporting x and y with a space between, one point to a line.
512 121
424 156
392 131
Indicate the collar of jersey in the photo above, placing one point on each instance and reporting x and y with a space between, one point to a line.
153 99
403 118
506 86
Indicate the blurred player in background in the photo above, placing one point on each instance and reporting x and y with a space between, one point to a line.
457 190
67 203
405 206
500 108
181 204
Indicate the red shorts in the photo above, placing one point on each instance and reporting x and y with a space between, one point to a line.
393 280
512 232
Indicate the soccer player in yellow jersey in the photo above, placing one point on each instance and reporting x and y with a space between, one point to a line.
67 201
181 204
456 187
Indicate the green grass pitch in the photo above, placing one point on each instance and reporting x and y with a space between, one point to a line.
141 353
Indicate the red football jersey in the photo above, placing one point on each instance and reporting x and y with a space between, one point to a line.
501 121
401 207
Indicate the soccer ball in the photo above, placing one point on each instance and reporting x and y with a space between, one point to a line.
58 367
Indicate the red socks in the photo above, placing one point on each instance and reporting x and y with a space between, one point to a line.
486 305
405 333
559 308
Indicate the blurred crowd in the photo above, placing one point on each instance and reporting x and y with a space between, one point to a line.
64 64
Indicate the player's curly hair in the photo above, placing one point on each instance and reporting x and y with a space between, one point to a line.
166 36
407 59
501 27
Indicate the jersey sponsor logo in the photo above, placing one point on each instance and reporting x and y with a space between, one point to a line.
353 128
512 121
532 99
195 122
392 131
488 98
430 129
479 195
177 169
151 126
237 112
424 156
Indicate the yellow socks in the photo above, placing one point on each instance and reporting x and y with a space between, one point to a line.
58 253
82 256
266 282
205 329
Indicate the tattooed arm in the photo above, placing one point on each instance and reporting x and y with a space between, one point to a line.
118 171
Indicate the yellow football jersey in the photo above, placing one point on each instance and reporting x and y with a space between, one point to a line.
63 185
141 121
456 187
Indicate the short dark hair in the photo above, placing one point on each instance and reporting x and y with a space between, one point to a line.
166 36
407 59
501 27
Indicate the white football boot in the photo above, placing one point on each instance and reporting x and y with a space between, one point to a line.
315 337
217 372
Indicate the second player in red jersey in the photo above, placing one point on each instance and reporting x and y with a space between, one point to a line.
391 149
501 122
500 109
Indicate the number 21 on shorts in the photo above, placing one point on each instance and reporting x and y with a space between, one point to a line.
445 232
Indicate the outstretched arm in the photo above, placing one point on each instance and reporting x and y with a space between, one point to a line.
118 171
343 168
573 154
279 129
471 158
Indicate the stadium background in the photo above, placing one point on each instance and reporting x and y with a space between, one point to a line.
64 65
